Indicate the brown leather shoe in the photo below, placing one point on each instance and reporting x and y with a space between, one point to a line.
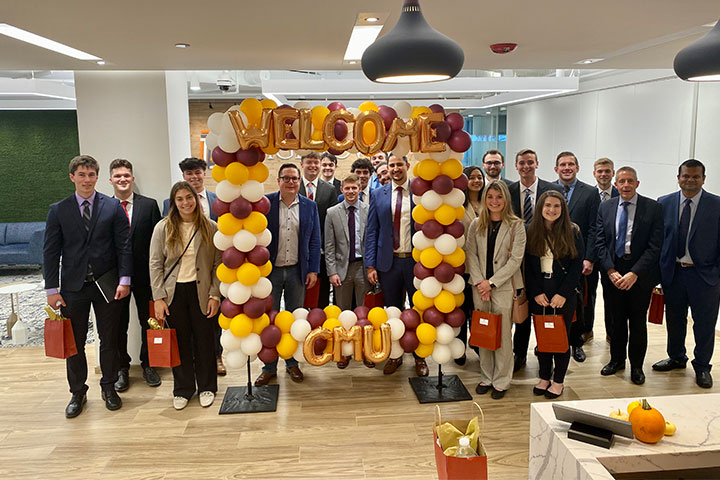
587 336
343 363
421 367
221 370
295 374
264 379
392 365
369 364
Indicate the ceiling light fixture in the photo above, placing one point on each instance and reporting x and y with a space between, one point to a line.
412 52
588 61
101 62
700 61
37 40
182 45
372 19
362 37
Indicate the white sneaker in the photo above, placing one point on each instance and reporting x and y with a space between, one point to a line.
206 399
180 402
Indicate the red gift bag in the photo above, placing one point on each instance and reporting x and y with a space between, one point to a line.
375 297
486 330
458 468
59 336
657 307
311 296
163 348
550 333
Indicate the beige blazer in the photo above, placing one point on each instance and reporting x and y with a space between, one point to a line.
207 259
504 268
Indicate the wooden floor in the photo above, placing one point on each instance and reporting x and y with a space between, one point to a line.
349 424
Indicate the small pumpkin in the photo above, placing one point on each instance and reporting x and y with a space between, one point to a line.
632 406
619 415
670 429
648 424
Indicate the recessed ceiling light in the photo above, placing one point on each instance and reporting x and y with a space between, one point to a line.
352 62
182 45
471 116
488 113
37 40
101 62
362 37
588 61
372 19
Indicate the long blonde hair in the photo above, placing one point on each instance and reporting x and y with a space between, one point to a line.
507 215
174 220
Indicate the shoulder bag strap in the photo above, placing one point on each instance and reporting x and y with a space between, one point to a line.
180 257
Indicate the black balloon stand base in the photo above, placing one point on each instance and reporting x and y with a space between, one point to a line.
250 399
440 389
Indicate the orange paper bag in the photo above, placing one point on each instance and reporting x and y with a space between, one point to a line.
657 307
486 330
311 296
550 333
163 348
375 297
459 468
59 336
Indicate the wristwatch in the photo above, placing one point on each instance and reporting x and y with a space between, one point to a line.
492 285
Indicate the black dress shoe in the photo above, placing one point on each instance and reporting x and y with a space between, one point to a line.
75 407
704 379
112 399
551 396
668 364
482 389
151 377
497 394
519 363
587 336
612 368
123 381
578 354
460 361
637 376
539 391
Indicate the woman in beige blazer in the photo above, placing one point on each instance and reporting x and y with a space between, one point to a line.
495 247
183 260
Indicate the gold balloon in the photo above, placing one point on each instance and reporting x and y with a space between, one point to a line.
281 127
306 140
427 132
399 127
329 130
369 351
376 119
309 347
353 335
249 136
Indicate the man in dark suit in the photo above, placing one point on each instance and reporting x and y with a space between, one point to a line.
493 163
690 268
89 232
142 213
323 194
629 241
294 224
583 202
388 245
523 195
328 166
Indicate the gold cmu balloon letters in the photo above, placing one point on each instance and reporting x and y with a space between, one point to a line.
362 341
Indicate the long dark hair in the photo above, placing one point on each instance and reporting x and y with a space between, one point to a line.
560 237
173 220
467 171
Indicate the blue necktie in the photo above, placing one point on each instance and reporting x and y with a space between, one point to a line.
683 229
622 231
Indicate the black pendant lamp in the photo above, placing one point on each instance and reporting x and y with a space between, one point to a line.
700 61
412 52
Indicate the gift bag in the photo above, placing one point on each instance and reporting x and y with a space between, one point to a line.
311 296
657 307
375 297
486 330
450 467
550 333
162 347
59 336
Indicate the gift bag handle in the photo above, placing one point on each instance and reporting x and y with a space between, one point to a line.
554 311
438 418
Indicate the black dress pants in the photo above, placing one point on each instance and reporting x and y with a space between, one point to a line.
555 364
142 295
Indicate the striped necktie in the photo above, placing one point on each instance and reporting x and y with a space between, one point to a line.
527 207
86 215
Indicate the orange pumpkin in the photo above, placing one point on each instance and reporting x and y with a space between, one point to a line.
648 424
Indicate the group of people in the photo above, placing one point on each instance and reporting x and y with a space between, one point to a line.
556 240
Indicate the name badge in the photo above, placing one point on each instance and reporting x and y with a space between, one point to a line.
484 321
549 325
157 340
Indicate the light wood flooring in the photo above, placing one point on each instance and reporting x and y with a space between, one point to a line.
350 424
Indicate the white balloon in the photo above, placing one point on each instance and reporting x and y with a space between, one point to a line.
354 110
302 104
300 313
416 283
300 329
228 142
456 331
226 191
221 241
211 141
393 312
441 354
403 109
455 198
456 285
239 293
417 200
347 349
441 156
457 348
244 240
347 319
396 350
295 128
420 241
214 122
252 190
302 153
445 334
299 355
230 342
445 244
251 345
430 287
461 241
264 238
224 287
252 358
236 359
262 288
397 328
402 147
431 200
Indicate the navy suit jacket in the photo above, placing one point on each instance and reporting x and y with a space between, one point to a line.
583 209
145 214
379 233
308 237
704 241
211 198
105 246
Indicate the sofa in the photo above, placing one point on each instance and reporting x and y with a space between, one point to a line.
22 243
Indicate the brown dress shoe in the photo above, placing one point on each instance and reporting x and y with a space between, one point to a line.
369 364
343 363
295 374
264 379
221 370
421 367
392 365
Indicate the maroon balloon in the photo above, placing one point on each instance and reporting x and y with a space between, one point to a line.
461 182
233 258
437 108
409 341
254 307
432 229
455 318
459 141
230 309
362 322
269 304
460 270
220 208
456 229
411 318
421 271
442 131
272 314
258 255
262 205
334 151
316 317
417 226
240 207
456 122
270 336
261 155
221 157
268 355
442 184
433 316
336 106
361 311
248 157
290 136
444 272
319 346
418 186
388 114
340 130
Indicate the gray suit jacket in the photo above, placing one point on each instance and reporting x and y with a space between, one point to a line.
337 238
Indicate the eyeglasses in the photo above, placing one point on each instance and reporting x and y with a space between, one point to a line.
290 179
493 164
